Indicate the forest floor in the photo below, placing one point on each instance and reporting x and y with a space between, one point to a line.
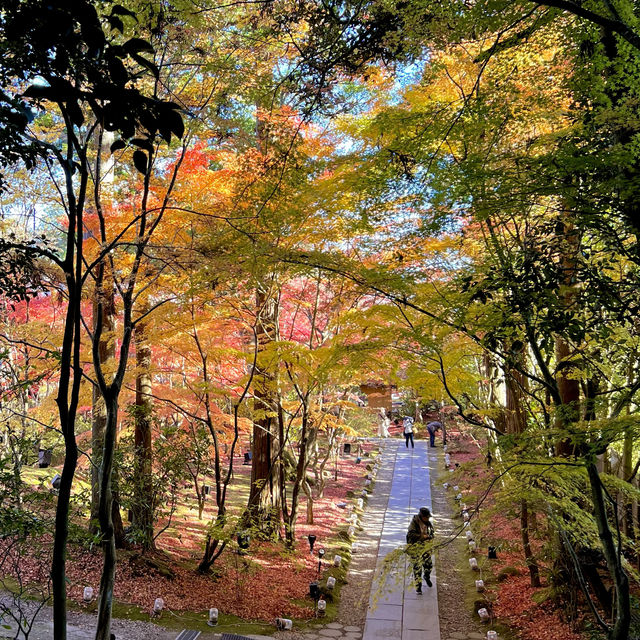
250 591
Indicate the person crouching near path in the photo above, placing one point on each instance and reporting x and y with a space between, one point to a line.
407 424
432 427
419 535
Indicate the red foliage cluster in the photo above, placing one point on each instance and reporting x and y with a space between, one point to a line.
536 621
256 587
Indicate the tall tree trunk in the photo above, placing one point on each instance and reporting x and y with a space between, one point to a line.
68 391
307 492
300 479
568 412
566 395
264 497
107 344
106 351
532 565
516 423
626 468
613 557
626 472
107 580
118 525
142 469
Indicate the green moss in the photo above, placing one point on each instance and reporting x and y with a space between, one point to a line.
196 620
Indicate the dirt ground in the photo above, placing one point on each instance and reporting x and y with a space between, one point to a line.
452 580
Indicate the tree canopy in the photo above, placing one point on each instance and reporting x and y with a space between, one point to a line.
220 221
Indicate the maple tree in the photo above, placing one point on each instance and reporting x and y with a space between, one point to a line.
485 166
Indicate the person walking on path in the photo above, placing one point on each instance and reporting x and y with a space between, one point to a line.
383 423
432 427
407 424
419 534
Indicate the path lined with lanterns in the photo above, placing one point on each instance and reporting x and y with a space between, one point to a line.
398 486
395 609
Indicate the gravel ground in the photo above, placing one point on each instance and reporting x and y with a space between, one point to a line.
81 626
454 617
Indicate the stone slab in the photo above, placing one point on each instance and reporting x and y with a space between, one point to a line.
420 622
414 608
423 634
382 629
386 612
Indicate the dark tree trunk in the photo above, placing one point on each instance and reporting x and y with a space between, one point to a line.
307 492
627 470
568 410
516 424
613 556
118 526
142 469
301 470
107 580
61 535
68 393
589 568
106 351
569 388
532 565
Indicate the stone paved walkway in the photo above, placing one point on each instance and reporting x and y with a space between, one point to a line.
396 610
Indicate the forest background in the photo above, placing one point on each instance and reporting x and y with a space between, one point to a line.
219 219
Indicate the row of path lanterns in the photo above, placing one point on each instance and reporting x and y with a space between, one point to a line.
243 540
482 612
352 520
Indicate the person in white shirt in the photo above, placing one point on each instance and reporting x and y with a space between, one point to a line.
383 423
407 424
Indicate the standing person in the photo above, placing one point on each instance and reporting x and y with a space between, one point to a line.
383 423
420 532
407 424
432 427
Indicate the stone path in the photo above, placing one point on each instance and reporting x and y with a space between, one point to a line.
396 610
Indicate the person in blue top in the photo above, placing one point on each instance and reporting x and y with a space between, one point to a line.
432 427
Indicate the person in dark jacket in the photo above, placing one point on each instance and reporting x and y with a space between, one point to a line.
420 532
432 427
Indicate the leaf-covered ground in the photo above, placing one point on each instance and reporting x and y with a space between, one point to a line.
513 601
266 583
